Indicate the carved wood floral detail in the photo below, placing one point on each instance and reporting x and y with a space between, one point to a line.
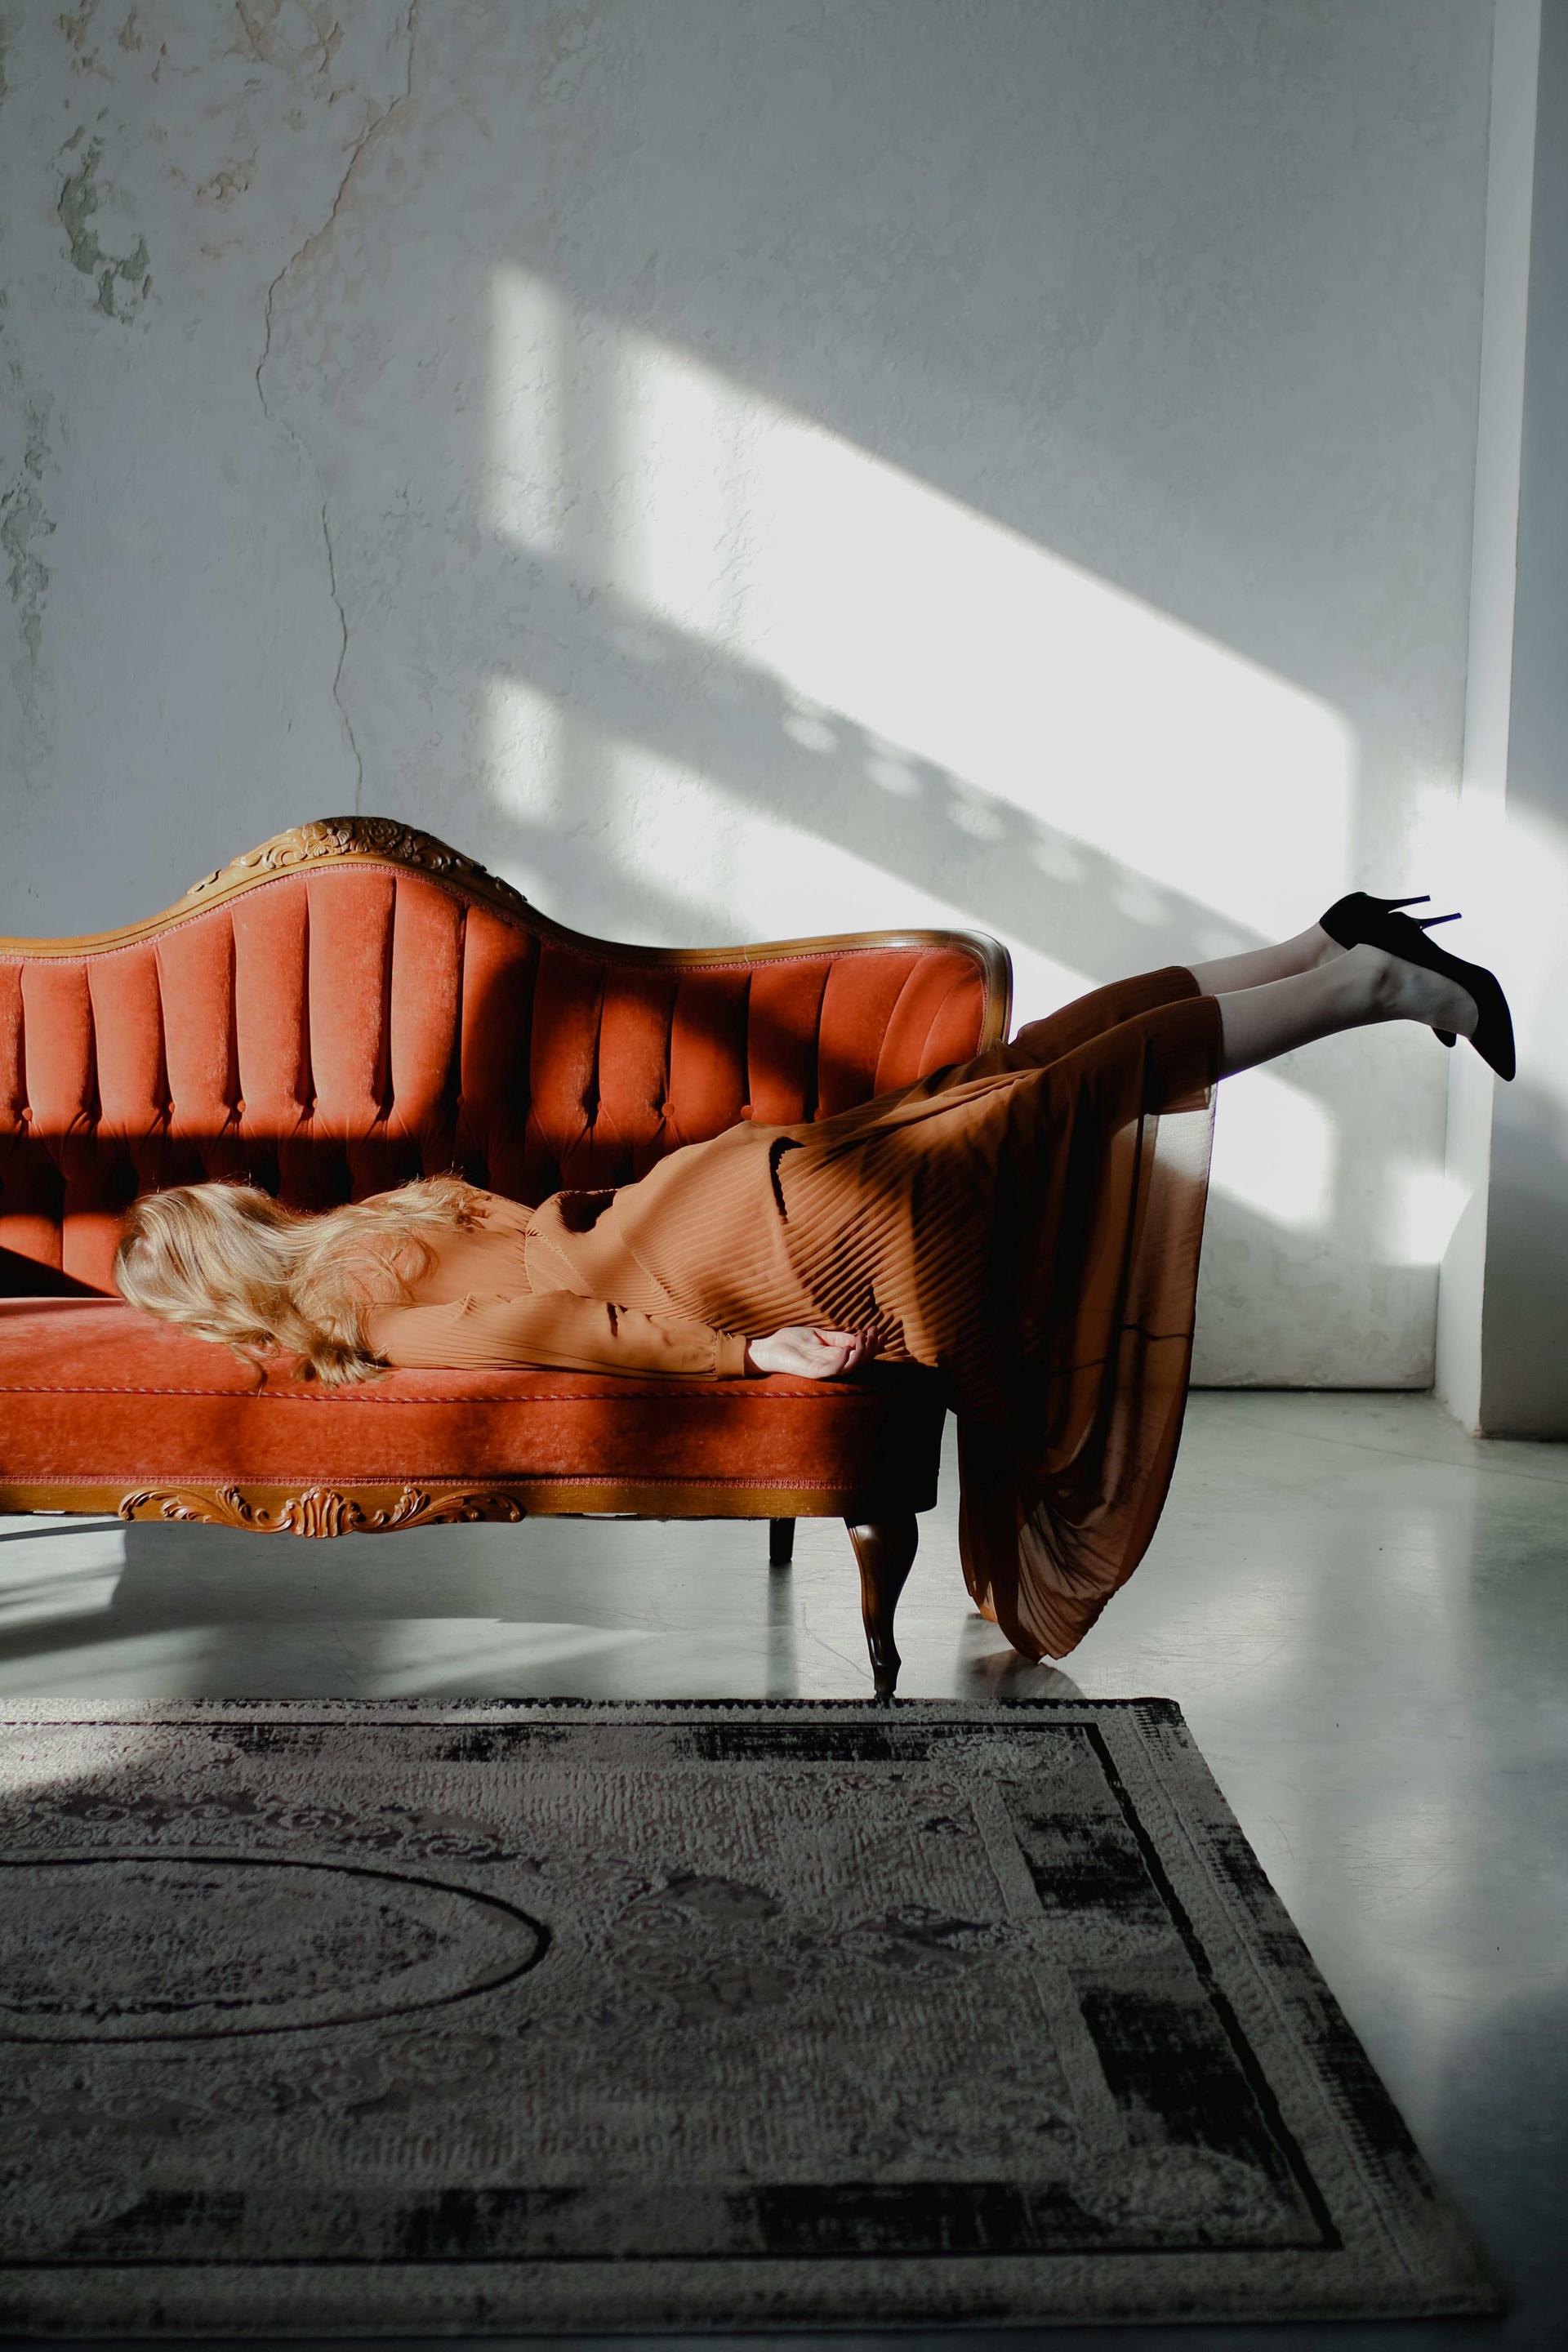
338 836
318 1511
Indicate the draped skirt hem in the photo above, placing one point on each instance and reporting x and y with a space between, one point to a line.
1029 1223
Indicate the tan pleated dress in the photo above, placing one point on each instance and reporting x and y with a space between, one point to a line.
1027 1222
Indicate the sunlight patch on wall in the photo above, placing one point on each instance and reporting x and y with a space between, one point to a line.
1515 874
863 590
1469 835
1054 720
529 487
1275 1150
525 741
1423 1205
673 831
1027 677
698 844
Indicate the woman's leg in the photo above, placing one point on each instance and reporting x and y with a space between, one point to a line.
1351 990
1271 998
1103 1008
1258 965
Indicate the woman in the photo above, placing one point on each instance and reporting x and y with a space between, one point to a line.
1027 1223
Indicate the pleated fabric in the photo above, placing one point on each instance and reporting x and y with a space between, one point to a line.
1028 1222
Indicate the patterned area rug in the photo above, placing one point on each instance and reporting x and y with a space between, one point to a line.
412 2017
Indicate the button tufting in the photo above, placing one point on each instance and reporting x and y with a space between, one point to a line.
666 1110
745 1110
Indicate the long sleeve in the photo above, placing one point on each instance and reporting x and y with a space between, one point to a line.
554 1329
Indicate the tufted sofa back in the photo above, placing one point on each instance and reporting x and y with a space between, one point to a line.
353 1003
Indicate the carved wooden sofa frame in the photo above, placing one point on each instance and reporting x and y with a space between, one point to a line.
353 1003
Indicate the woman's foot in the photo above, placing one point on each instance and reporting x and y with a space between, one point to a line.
1409 992
1350 989
1397 991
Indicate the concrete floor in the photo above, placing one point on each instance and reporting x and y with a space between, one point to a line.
1363 1613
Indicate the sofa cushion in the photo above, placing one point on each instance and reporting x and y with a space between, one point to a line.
93 1392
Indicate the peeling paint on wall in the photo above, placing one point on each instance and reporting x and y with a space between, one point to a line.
22 519
259 33
79 201
230 181
76 26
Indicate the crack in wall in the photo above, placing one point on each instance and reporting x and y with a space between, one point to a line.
342 657
368 138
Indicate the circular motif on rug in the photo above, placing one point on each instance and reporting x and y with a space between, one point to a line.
157 1948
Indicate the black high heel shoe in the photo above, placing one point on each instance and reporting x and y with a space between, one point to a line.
1345 917
1374 922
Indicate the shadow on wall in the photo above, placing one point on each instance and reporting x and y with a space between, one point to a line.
1160 424
1177 418
696 706
1050 693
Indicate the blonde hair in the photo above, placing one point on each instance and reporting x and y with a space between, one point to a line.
228 1262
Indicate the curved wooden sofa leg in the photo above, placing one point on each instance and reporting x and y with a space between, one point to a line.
781 1542
885 1549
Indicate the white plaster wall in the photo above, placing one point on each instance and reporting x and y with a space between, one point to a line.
1482 809
1524 1358
749 467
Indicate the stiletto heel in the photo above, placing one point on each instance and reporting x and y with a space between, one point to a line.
1344 920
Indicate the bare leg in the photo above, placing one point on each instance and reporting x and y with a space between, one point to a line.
1258 965
1354 989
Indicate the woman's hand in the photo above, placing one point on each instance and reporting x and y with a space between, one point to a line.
806 1352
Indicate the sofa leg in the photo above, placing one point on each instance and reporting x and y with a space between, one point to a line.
886 1551
781 1542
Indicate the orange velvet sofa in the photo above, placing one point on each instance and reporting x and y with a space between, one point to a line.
352 1005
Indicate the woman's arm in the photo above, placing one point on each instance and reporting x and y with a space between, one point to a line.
554 1329
557 1329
